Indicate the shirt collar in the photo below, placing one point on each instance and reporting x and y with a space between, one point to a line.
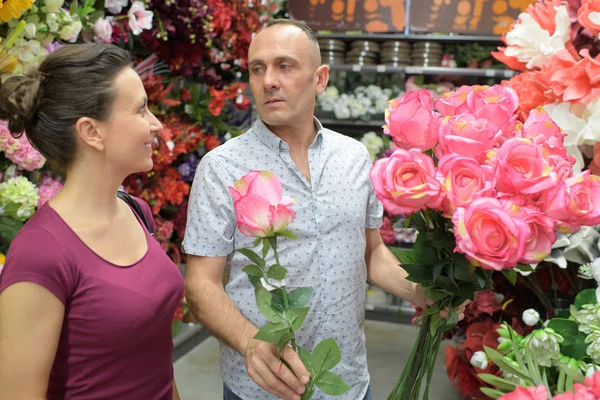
273 141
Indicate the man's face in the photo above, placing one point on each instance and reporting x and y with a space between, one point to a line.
284 75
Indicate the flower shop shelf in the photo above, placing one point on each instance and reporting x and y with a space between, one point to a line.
489 73
411 38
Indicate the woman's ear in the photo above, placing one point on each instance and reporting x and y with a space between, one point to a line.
90 131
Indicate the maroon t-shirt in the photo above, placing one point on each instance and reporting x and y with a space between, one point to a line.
116 339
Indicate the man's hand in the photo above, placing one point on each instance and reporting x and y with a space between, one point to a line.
421 301
269 372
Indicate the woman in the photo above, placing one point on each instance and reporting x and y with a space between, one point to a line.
87 296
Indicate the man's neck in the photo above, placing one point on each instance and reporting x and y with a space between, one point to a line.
297 136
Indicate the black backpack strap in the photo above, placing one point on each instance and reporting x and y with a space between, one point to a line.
137 209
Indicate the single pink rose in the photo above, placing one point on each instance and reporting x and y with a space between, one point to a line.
498 104
521 167
467 136
103 30
542 235
411 122
463 180
531 393
452 103
406 182
261 210
490 235
581 393
574 202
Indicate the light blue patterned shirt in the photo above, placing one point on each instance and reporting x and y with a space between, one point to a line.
332 213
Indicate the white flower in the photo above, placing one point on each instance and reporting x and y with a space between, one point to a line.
115 6
53 5
573 126
531 44
70 32
593 349
543 345
373 142
52 22
479 360
103 30
531 317
28 51
589 369
30 30
587 317
139 18
272 284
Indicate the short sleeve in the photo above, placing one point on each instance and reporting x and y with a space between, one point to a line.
211 218
37 256
374 206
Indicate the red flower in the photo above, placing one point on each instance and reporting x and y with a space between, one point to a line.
185 95
386 231
533 89
217 102
211 142
485 303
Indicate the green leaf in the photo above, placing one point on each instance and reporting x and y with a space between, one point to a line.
255 258
263 301
331 384
253 270
418 273
277 300
306 359
574 344
272 332
587 296
325 356
265 249
276 272
417 221
525 268
296 317
437 270
308 393
464 270
452 318
176 327
423 251
405 256
493 393
499 360
257 242
283 341
299 297
511 275
9 228
255 281
288 234
498 382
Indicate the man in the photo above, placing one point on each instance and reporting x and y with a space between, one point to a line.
338 216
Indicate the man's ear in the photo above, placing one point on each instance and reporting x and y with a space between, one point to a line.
90 132
322 75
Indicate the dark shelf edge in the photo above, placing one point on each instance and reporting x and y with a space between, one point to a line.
410 38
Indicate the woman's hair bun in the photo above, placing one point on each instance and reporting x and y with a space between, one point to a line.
19 99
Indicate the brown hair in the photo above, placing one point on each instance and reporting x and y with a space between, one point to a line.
74 81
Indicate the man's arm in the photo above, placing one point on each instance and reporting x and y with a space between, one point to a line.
383 270
212 307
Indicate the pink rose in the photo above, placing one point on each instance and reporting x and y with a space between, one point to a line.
498 104
531 393
468 136
490 235
103 30
463 180
260 208
406 182
593 382
48 189
574 202
139 18
411 121
452 103
542 235
19 150
521 167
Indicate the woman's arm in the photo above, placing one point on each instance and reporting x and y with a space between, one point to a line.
31 319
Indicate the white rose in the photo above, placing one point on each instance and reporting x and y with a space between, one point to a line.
103 30
531 317
479 360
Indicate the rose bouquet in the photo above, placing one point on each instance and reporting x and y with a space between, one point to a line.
485 193
263 212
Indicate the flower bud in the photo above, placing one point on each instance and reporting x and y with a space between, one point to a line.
504 346
479 360
504 333
531 317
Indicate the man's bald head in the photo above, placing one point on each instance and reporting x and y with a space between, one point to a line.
316 54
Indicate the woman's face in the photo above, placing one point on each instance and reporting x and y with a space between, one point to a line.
131 127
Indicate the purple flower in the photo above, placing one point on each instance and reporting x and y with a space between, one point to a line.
50 47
